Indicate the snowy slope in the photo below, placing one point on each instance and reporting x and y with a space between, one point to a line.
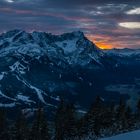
72 48
41 67
33 64
126 52
135 135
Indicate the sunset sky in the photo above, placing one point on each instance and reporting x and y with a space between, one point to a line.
108 23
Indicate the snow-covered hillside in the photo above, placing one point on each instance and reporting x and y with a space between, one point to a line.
126 52
72 48
41 67
33 65
135 135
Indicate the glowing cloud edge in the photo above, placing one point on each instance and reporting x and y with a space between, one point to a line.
130 25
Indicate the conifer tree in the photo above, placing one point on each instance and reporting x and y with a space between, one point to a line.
82 126
120 116
65 123
95 116
70 122
4 131
138 109
21 128
39 130
2 120
59 121
129 118
110 119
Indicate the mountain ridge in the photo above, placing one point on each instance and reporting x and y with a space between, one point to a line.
21 53
40 42
41 67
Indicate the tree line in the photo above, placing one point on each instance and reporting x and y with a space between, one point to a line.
101 120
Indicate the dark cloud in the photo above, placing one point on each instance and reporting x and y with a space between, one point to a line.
99 19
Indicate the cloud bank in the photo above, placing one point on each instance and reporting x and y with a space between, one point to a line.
109 23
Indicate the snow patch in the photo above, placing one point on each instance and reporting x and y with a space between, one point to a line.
2 74
38 91
24 98
18 67
55 98
68 46
82 111
135 135
10 105
7 97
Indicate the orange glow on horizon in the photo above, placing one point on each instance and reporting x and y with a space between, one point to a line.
101 44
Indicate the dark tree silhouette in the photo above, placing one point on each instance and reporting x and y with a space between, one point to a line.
39 130
21 128
65 122
4 130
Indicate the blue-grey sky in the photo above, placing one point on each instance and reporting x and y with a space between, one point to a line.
109 23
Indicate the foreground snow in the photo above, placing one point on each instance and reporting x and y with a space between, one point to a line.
135 135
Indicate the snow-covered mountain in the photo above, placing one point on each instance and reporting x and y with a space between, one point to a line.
126 52
36 65
72 48
40 67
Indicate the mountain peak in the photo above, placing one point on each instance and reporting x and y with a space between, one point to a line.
10 33
78 34
71 35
